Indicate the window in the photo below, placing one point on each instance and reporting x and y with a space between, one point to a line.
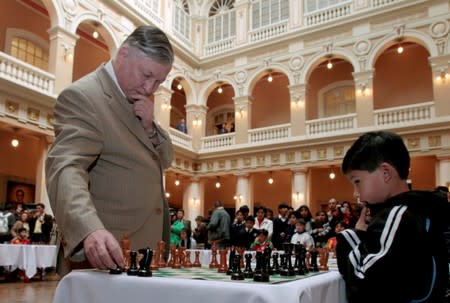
266 12
338 101
29 52
317 5
221 21
182 21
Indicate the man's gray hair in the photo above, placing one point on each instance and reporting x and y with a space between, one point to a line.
153 42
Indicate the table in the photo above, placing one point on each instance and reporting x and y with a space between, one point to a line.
28 257
99 286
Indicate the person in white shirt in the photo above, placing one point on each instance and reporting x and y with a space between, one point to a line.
301 236
262 222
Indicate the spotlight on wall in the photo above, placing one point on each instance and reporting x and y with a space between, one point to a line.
197 121
166 105
177 181
443 76
362 90
68 53
332 175
15 141
270 180
179 86
220 90
218 182
270 78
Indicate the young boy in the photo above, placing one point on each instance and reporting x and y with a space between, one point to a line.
262 241
22 237
302 236
400 255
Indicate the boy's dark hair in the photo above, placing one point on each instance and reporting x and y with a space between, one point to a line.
374 148
250 218
442 188
21 229
301 221
283 205
257 208
263 231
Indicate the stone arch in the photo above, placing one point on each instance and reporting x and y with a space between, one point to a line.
210 85
55 13
107 31
188 88
315 60
409 36
256 75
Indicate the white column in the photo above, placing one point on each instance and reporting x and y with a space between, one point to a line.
443 172
41 189
299 188
193 201
243 195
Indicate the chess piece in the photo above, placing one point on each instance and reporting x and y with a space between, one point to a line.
267 254
197 260
241 251
154 264
288 269
115 271
323 259
125 245
144 264
237 273
188 262
161 248
257 275
298 267
314 254
230 261
182 256
176 259
213 263
133 269
223 261
275 264
172 256
248 272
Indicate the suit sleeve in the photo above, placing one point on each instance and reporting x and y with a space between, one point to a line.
77 145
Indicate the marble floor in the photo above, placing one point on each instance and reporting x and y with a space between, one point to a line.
33 292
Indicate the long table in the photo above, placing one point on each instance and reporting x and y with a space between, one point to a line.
28 257
101 287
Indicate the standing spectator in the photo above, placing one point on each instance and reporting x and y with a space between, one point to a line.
200 232
182 126
262 222
332 204
223 129
250 233
280 223
269 214
306 215
41 225
245 211
290 229
237 229
321 230
219 226
180 217
186 240
175 230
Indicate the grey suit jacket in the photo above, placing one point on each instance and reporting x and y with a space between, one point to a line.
102 170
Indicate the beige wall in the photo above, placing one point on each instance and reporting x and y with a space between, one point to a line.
271 195
87 58
423 172
402 79
271 102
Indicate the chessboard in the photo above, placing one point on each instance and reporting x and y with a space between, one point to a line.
208 274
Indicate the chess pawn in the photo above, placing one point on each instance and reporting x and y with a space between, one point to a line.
188 262
154 264
172 256
161 250
213 263
237 273
223 261
275 264
230 261
314 254
323 258
125 245
248 272
197 260
176 259
182 256
241 251
133 269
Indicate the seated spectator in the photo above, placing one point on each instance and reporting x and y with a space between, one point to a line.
340 226
22 237
186 241
302 236
321 231
250 233
200 232
21 223
262 241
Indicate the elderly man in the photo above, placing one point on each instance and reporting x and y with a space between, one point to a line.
104 170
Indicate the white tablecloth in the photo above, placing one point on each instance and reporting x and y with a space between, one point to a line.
28 257
101 287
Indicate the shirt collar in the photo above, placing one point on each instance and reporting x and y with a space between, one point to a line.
110 70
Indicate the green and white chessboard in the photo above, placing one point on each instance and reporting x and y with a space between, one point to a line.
205 273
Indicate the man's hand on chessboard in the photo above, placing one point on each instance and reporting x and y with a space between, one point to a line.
102 250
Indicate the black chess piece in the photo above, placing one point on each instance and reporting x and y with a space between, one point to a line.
115 271
288 269
303 259
230 261
275 264
248 272
133 270
298 266
265 275
257 275
144 264
237 273
314 255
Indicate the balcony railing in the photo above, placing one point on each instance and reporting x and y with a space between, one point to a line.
218 141
331 125
272 133
270 31
218 47
26 74
181 139
404 115
144 8
328 14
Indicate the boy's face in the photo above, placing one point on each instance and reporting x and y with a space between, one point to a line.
300 227
249 224
369 187
23 234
